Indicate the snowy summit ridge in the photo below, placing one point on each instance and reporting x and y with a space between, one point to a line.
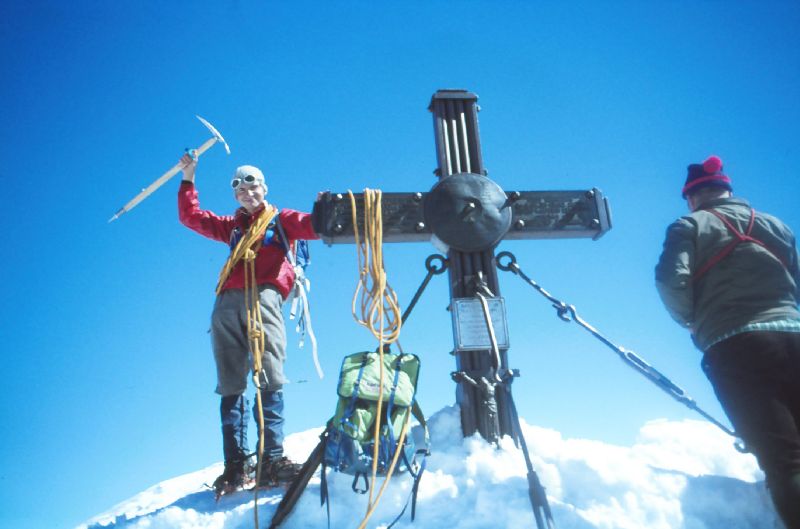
677 475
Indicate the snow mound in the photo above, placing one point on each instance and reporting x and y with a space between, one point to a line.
677 475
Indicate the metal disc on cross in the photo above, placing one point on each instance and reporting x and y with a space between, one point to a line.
468 212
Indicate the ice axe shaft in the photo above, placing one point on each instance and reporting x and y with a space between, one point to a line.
172 172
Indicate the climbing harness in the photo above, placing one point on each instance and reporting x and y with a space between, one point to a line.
739 238
536 492
568 313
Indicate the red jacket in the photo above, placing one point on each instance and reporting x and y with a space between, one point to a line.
272 266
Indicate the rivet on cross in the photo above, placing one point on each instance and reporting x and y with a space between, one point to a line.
470 214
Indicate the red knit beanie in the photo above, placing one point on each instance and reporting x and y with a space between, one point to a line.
706 174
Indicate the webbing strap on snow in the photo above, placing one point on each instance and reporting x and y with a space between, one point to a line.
323 492
423 453
417 476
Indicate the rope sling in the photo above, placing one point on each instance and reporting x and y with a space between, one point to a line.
378 311
245 251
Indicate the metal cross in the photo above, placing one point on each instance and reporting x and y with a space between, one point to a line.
470 214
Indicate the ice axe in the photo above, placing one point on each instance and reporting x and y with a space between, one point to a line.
217 137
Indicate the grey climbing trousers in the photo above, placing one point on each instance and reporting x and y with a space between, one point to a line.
230 344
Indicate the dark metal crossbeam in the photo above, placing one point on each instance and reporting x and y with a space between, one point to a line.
535 215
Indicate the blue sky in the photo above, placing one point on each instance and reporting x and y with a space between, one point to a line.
108 370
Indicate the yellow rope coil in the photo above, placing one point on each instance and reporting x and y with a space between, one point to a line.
379 312
379 309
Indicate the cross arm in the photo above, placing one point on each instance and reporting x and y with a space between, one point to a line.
558 214
535 215
402 217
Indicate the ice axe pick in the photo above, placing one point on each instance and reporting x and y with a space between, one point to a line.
216 137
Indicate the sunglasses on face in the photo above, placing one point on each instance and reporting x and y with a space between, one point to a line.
247 180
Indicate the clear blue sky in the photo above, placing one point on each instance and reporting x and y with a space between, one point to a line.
108 374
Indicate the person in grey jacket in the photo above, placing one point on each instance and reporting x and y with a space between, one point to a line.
729 275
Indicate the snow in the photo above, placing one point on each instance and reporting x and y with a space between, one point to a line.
684 474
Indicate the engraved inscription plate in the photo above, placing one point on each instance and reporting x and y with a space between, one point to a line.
469 324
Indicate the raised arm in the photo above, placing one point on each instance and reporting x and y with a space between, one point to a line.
204 222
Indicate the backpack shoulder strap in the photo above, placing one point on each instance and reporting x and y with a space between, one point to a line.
739 238
416 411
286 246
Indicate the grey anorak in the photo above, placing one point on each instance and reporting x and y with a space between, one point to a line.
750 285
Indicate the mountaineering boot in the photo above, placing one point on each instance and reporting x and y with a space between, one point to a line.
234 477
234 416
275 467
278 471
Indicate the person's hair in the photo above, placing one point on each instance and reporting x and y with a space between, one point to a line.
705 194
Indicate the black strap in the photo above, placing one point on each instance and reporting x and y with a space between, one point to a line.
298 485
324 499
412 496
355 483
536 492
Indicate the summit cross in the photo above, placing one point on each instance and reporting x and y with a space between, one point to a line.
469 215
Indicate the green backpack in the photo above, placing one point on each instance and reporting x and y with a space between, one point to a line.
349 443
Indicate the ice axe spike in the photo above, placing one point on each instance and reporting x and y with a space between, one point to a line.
217 137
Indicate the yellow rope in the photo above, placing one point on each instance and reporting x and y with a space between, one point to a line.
379 312
254 236
389 473
255 338
246 251
379 308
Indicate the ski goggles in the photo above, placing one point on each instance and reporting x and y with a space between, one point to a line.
246 180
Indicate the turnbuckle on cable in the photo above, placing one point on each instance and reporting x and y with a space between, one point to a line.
568 313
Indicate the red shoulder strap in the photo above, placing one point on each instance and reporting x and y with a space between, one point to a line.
739 238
